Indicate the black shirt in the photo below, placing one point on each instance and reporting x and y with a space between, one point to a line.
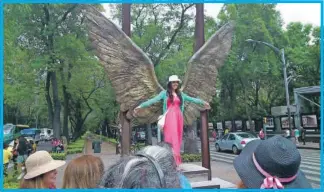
22 147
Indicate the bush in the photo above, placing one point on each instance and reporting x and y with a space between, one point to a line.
11 185
74 151
11 182
191 157
104 138
58 156
110 140
76 145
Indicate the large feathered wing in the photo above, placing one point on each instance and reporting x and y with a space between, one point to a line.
128 68
200 79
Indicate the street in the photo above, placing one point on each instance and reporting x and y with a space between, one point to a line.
44 146
310 164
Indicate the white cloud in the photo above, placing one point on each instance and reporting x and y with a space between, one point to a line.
290 12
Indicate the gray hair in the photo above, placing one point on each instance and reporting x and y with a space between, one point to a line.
140 172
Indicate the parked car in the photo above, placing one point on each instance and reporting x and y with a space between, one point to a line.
46 134
32 133
234 142
140 136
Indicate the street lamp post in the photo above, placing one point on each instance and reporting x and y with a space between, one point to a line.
284 68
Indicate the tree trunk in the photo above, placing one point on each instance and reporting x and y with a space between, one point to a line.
148 134
126 126
57 107
49 100
66 114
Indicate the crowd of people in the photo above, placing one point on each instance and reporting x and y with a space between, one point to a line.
273 163
57 145
21 149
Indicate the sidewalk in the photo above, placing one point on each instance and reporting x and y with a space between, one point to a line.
309 145
225 175
108 157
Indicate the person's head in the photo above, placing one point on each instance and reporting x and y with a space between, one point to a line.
151 167
272 164
83 173
41 171
174 86
5 146
174 83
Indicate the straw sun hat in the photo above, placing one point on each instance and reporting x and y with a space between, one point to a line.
39 163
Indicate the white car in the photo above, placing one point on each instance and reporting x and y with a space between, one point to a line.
234 142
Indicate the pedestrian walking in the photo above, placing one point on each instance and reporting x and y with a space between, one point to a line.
273 163
303 135
287 133
261 134
7 155
22 149
15 155
297 135
54 145
34 147
214 134
29 148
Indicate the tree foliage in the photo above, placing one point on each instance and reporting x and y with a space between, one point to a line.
53 78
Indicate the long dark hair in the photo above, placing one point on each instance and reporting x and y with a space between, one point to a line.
178 92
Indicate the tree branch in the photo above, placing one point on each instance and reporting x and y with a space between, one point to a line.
66 14
180 26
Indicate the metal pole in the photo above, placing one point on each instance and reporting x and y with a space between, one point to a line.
126 129
284 68
200 40
126 19
205 142
286 88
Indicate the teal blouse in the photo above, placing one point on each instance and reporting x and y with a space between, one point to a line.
164 96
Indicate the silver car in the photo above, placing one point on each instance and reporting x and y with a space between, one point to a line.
234 142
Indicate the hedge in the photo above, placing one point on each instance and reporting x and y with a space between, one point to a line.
11 182
72 148
58 156
191 157
104 138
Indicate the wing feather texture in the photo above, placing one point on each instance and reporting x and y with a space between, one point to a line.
132 74
129 69
200 79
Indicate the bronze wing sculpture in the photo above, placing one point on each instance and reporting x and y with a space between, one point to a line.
132 74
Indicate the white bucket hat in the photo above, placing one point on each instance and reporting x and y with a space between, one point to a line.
39 163
174 78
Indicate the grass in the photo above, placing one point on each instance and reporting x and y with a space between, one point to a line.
103 138
10 181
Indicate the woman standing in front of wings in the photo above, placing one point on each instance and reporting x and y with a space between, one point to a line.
173 105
